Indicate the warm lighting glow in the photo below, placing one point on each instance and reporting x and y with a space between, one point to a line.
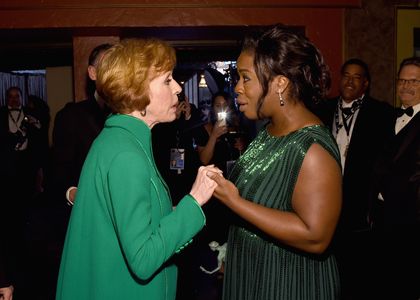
202 83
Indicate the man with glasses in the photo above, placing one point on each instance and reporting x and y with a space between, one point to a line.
361 125
397 188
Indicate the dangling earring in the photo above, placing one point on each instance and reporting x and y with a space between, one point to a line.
281 99
143 113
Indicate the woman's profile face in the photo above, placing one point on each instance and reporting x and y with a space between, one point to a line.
248 87
163 94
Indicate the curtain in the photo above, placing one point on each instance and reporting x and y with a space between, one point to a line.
30 83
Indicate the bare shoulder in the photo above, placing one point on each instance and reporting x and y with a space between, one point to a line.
318 157
320 166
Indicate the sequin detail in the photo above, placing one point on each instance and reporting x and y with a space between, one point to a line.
259 267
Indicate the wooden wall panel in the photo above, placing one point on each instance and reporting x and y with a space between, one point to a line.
82 47
323 20
370 36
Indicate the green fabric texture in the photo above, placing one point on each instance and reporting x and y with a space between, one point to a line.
123 229
257 266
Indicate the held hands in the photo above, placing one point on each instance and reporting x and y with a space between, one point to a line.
225 191
204 186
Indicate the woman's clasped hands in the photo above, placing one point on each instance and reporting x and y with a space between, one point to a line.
204 185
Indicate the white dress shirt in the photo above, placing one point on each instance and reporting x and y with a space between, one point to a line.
404 119
341 137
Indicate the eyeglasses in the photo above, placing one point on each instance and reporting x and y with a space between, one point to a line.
408 81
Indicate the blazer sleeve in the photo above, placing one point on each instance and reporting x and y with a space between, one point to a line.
64 152
147 247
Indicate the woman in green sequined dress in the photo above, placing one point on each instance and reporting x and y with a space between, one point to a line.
286 187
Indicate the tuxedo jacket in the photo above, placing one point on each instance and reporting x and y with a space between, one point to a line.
75 128
7 139
398 178
18 168
373 127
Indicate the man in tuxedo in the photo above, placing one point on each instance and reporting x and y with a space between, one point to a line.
397 188
361 126
20 142
20 156
75 128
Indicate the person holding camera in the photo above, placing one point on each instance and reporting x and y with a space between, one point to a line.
178 162
174 151
219 141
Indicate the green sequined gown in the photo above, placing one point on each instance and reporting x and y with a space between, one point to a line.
258 267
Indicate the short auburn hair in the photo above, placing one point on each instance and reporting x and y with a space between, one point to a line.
126 69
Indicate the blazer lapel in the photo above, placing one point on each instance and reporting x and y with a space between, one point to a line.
408 134
359 133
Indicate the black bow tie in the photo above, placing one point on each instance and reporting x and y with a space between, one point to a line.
409 111
347 111
350 110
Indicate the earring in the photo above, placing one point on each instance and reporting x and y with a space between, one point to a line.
281 99
143 113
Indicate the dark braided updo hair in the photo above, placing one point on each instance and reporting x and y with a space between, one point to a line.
280 51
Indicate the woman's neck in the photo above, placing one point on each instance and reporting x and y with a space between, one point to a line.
291 118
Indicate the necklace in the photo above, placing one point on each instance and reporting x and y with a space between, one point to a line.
17 119
347 116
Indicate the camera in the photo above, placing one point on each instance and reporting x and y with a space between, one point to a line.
221 117
24 125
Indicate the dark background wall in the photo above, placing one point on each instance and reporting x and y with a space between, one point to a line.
28 25
370 35
58 32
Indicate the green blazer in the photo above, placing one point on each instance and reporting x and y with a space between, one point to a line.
123 229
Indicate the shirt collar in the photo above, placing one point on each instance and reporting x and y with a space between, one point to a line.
12 108
349 104
416 109
135 126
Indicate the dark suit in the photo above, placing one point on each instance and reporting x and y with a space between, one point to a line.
397 178
353 241
18 168
75 128
17 184
372 128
